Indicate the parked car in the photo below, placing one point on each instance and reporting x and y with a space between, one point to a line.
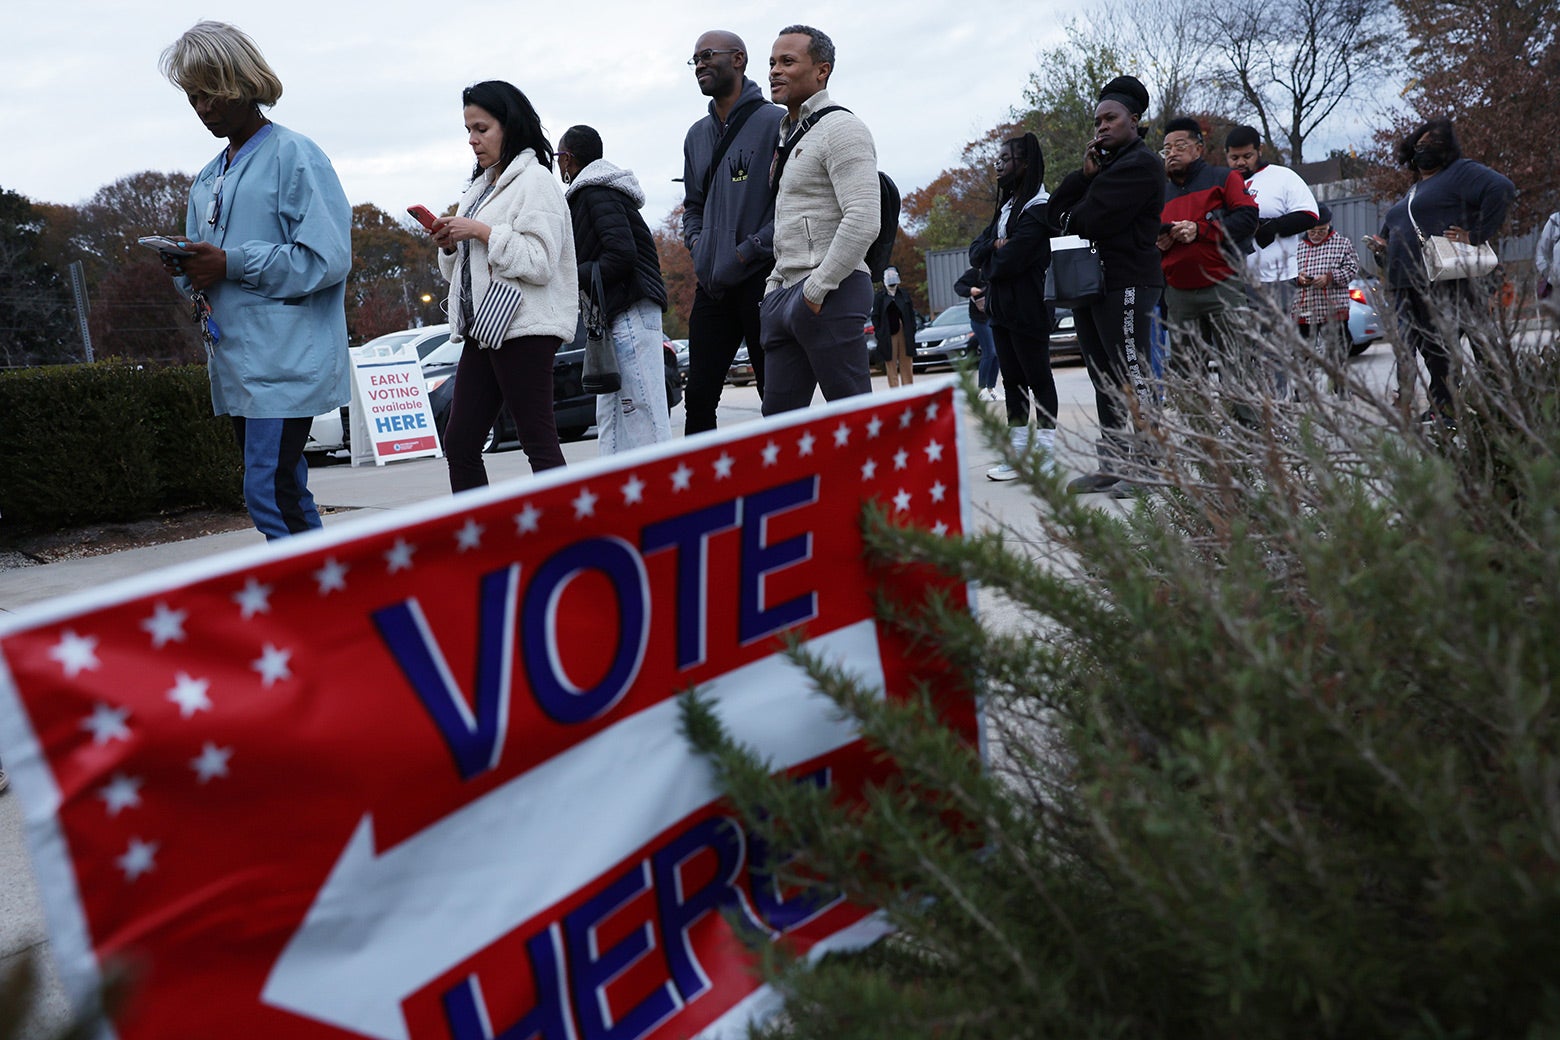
741 371
1064 335
946 339
1364 323
680 349
574 410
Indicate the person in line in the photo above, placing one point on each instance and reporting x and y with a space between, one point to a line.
728 221
1325 265
1207 215
268 244
1115 201
973 288
1286 208
1452 196
893 322
513 238
827 215
1013 254
1546 265
612 239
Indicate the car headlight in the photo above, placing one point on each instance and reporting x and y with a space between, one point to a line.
436 382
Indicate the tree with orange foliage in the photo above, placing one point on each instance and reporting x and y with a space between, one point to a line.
677 273
1491 68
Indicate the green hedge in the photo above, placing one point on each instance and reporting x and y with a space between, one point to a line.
111 441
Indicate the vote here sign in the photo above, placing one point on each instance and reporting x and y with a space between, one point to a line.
420 777
392 417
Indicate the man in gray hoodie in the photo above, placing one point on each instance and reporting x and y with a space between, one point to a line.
827 215
728 220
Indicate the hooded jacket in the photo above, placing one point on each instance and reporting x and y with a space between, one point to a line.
610 233
730 229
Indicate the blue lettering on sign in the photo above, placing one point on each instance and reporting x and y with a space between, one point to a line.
398 423
555 694
475 739
681 908
690 533
475 727
592 968
759 559
466 1011
779 913
571 973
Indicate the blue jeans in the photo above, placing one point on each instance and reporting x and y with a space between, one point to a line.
636 415
276 476
986 375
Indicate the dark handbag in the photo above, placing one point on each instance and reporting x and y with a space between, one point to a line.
600 373
1076 277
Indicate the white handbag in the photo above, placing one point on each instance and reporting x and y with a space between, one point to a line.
1448 261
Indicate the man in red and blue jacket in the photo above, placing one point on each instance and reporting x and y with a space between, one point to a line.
1206 224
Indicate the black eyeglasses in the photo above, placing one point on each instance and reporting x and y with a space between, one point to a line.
214 208
707 55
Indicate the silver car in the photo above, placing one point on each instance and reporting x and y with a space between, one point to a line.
946 339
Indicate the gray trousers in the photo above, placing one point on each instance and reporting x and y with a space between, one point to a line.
804 351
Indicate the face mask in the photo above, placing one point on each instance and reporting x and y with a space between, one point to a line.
1429 157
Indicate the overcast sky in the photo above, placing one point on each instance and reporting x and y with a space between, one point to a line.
378 85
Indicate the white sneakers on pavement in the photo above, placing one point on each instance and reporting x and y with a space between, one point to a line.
1044 444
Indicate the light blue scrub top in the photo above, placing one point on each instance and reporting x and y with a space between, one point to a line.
287 228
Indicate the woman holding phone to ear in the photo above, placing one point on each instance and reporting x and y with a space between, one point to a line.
1115 201
512 238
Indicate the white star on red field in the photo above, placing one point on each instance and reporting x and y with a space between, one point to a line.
165 626
254 598
76 654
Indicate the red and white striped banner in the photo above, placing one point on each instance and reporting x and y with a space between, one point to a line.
421 776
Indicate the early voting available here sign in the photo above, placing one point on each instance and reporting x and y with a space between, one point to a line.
420 776
391 415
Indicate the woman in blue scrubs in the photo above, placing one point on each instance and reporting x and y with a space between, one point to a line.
269 244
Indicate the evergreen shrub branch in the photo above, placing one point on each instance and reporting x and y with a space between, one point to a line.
1270 752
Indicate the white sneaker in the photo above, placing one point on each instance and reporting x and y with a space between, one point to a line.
1002 472
988 393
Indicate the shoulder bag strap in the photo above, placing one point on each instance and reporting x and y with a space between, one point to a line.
1411 219
740 116
791 142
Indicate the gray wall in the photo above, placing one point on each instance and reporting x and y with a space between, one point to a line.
943 268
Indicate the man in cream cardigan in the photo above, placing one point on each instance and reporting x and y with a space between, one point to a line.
827 215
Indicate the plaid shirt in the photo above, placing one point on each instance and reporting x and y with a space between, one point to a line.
1315 305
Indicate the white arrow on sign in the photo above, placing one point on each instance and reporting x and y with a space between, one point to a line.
387 923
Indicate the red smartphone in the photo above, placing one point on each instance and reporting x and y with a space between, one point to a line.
424 217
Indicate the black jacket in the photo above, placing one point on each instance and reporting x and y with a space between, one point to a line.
1119 212
881 302
609 231
969 280
1015 274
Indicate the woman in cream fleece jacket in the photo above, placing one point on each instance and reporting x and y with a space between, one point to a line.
513 228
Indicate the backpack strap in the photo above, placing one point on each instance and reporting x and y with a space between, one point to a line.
740 116
784 153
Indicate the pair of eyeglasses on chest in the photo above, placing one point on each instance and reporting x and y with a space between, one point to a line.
214 207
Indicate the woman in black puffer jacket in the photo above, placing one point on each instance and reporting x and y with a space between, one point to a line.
611 237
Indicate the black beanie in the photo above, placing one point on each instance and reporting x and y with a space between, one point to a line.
1129 91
